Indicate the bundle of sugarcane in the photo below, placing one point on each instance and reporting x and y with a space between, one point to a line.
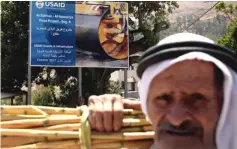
53 127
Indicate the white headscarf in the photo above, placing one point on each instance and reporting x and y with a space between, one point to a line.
226 133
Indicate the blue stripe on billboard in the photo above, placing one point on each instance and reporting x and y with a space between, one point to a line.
53 33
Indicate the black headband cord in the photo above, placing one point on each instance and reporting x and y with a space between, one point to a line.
160 53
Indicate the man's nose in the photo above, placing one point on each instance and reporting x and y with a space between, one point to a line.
177 115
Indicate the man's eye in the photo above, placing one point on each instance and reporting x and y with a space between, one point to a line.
164 97
197 101
197 96
162 101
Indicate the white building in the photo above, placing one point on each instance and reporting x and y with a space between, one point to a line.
132 80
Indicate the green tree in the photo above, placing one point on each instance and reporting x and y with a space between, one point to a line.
147 20
14 44
114 87
43 97
230 38
229 10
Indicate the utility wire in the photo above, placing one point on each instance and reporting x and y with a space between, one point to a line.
201 16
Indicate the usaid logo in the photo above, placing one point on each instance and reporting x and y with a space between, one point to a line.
55 4
39 4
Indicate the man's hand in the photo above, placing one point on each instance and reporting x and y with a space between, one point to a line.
106 111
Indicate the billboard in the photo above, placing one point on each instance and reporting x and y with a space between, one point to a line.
79 34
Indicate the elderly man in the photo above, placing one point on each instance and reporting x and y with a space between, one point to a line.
188 91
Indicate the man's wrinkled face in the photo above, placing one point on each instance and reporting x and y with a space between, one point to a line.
184 104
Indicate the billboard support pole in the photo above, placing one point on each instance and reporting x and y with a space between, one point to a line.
79 82
125 83
28 100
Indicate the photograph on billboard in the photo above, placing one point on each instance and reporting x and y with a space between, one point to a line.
79 34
